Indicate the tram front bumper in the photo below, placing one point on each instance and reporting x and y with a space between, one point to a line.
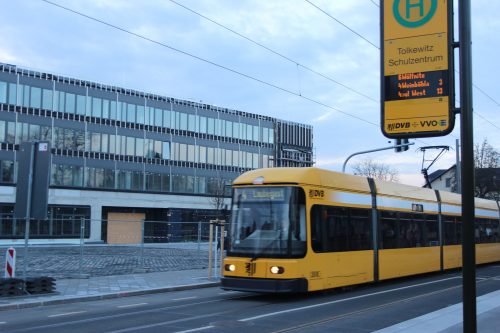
264 285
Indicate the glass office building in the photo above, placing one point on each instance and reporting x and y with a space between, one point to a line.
121 150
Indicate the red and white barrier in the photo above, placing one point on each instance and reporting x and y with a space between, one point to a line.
10 263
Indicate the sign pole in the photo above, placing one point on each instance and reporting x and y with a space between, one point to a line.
210 248
31 148
467 171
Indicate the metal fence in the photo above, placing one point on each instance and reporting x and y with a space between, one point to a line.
122 247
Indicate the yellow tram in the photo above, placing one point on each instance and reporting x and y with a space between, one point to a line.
307 229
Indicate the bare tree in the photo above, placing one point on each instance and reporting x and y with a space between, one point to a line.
487 173
381 171
485 156
217 187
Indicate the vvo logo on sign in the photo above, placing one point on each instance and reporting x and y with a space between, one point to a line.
406 125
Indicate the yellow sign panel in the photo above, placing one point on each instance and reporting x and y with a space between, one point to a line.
417 54
421 115
416 83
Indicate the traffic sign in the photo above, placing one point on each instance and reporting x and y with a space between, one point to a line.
10 263
417 65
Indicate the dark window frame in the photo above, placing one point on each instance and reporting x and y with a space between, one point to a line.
337 229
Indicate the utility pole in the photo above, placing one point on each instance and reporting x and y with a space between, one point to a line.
396 147
467 170
458 168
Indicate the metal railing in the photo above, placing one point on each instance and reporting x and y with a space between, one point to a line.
66 248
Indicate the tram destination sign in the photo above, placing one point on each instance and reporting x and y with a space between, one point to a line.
417 65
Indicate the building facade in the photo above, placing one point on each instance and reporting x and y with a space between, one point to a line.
117 150
444 179
486 182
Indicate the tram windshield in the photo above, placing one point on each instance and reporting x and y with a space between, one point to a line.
268 222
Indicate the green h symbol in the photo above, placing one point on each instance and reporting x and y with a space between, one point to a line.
409 5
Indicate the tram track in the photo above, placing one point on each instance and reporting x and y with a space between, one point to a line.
376 307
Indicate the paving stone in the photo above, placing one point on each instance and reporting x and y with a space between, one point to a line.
64 261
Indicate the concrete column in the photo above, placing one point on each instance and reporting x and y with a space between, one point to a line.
95 223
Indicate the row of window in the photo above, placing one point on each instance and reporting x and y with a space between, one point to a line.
296 135
76 140
105 178
403 230
485 231
338 229
60 101
62 222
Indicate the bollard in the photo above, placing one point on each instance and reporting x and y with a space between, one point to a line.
216 259
142 244
10 263
210 249
222 241
26 244
199 237
82 235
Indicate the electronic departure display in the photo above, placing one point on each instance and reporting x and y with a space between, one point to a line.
416 85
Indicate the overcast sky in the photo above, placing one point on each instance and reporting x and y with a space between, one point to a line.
188 56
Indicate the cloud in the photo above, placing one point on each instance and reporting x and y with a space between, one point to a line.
329 163
8 56
411 179
324 117
78 47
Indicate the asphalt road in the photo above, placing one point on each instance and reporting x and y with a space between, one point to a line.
359 309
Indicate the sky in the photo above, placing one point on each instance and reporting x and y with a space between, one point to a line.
315 62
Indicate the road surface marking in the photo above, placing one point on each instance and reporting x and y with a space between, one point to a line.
184 298
270 314
323 304
196 329
131 305
66 314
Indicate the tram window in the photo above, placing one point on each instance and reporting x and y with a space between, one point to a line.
485 231
339 229
407 230
478 230
459 230
495 225
432 230
410 231
388 230
452 230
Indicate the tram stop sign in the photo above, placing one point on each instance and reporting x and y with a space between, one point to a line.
417 89
33 176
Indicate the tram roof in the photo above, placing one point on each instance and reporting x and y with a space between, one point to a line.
327 178
456 199
404 191
305 176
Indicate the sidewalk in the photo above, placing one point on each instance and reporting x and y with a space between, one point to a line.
449 319
103 287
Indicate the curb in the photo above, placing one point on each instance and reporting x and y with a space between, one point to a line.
89 298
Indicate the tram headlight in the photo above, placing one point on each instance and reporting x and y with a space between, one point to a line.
277 270
230 267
